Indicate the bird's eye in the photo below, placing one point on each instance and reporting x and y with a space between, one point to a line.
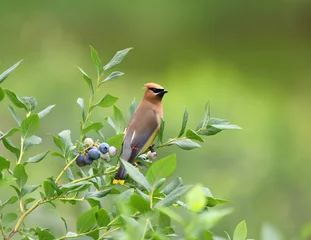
156 90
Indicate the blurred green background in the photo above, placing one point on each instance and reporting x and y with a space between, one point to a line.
251 59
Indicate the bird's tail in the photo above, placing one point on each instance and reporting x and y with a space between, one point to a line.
120 175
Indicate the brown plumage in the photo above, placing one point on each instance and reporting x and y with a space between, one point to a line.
142 128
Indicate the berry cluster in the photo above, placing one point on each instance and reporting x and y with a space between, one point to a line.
94 151
147 158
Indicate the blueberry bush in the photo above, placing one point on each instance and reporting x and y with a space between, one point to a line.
148 206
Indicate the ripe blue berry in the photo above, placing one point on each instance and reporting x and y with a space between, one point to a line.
88 160
80 161
104 148
93 154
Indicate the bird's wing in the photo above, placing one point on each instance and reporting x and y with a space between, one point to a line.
140 134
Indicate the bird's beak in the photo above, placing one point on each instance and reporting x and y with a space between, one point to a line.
162 92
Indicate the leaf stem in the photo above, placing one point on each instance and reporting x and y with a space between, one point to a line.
145 229
21 152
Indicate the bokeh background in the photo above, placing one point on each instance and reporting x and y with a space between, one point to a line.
251 59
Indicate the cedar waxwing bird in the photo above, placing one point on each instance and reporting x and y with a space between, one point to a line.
142 128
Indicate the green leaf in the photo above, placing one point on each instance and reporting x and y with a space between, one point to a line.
92 127
88 80
9 218
80 101
6 181
4 163
65 137
10 146
185 144
30 125
107 101
184 123
15 99
126 195
44 234
112 76
193 135
132 108
212 217
161 131
10 132
159 183
30 103
102 217
207 115
2 94
29 189
195 199
140 203
20 175
222 124
136 175
171 214
87 220
118 120
16 118
161 169
11 200
176 183
48 189
240 231
96 61
117 58
69 174
45 111
29 200
7 72
33 140
173 196
74 187
116 141
101 194
38 157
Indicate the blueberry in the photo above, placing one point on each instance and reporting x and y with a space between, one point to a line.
104 148
93 154
80 161
88 160
112 151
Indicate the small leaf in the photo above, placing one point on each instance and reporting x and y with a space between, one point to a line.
102 193
45 111
11 200
29 189
38 157
4 163
107 101
48 189
7 181
9 218
10 146
69 174
184 123
44 234
15 99
185 144
161 169
30 103
10 132
88 80
207 115
240 232
30 125
7 72
116 141
16 118
132 108
171 214
118 120
86 221
161 131
80 101
2 94
117 58
20 175
29 200
102 217
65 137
140 203
195 199
172 186
212 217
33 140
136 175
173 196
93 127
193 135
112 76
96 61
